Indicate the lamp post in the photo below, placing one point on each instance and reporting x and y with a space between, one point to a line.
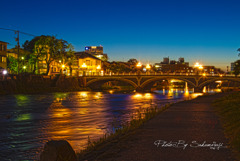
63 66
99 68
24 68
198 67
148 67
84 66
139 65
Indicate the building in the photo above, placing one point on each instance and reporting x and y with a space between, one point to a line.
209 70
173 66
3 55
88 64
232 67
165 60
96 51
181 60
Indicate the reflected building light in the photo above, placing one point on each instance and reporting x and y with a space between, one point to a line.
83 94
148 95
111 91
137 95
204 89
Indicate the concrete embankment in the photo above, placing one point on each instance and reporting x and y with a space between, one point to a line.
30 84
188 130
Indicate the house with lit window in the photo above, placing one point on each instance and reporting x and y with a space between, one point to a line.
3 55
88 64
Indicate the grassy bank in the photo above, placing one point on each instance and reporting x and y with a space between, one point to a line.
228 109
97 148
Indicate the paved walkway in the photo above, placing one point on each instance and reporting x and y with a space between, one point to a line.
186 121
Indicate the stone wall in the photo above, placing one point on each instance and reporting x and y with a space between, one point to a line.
29 84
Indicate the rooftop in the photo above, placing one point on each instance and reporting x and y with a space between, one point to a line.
85 55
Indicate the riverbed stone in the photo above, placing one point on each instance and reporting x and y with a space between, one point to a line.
58 150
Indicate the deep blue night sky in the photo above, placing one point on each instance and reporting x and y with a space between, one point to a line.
199 30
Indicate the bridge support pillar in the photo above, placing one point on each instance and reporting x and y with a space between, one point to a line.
83 81
139 89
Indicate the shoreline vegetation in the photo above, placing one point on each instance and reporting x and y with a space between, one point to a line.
228 109
95 148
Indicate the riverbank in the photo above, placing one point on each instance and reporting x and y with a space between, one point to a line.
38 84
186 121
228 109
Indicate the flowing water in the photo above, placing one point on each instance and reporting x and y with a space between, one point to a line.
27 122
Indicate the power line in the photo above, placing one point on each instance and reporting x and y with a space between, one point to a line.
17 39
18 31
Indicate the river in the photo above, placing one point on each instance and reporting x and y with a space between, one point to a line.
27 122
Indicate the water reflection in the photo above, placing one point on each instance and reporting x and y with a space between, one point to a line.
28 121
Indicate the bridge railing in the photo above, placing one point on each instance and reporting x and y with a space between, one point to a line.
155 73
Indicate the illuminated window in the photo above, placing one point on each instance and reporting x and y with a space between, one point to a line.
4 59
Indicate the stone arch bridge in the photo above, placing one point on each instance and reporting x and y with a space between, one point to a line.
141 82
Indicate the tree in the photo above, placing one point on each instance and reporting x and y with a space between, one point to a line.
51 48
238 51
236 68
132 61
21 61
30 45
12 64
35 54
69 57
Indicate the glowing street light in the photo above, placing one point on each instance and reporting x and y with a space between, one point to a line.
84 65
204 74
24 67
148 66
4 72
139 65
22 58
196 65
98 67
220 75
63 66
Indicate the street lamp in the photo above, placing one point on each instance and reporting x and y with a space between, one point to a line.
84 66
4 72
198 66
98 68
139 65
24 67
148 67
63 66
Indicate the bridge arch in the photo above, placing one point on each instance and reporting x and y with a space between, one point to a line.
201 85
104 80
145 83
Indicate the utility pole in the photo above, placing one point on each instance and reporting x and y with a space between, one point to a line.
17 39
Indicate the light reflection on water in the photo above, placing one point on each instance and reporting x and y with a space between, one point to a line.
28 121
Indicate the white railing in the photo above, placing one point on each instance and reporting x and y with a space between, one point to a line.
163 74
